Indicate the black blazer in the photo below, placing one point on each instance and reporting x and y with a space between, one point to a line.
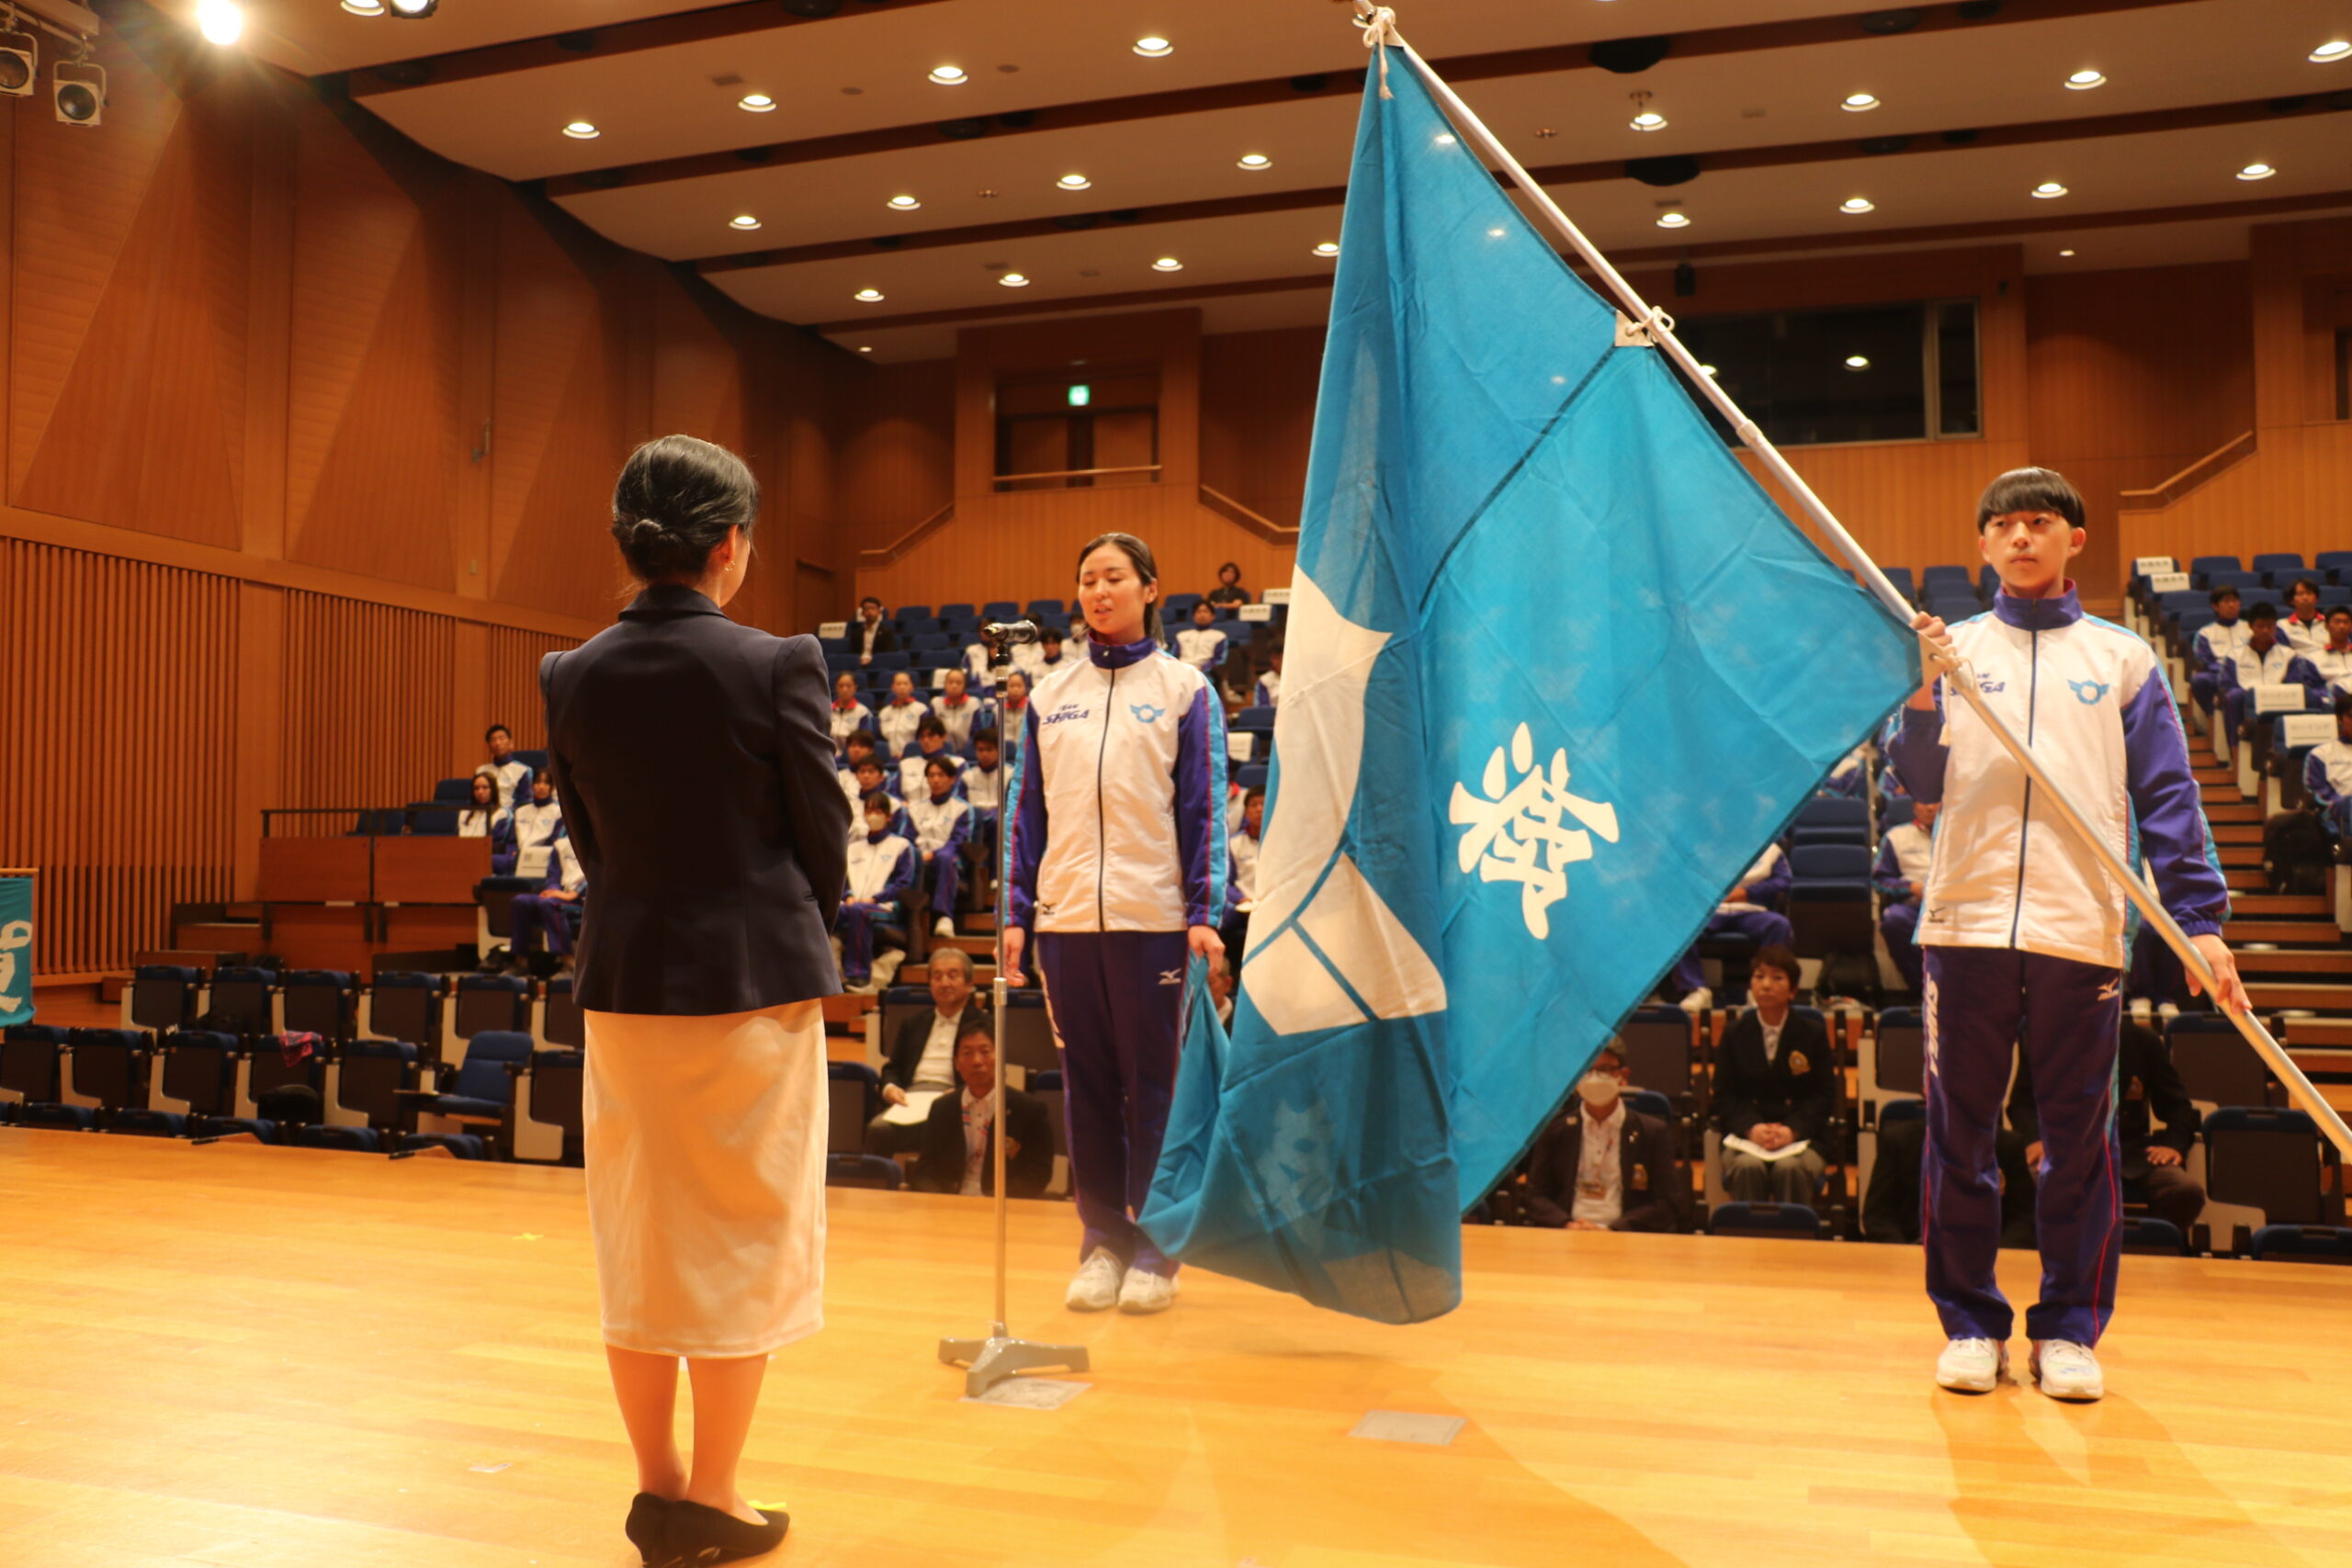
1749 1090
695 768
1026 1169
1646 1157
885 636
906 1050
2145 1080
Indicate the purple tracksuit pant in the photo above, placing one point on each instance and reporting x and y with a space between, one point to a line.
1116 1002
2065 1015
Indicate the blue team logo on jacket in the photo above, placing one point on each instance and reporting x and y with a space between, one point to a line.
2088 691
1147 713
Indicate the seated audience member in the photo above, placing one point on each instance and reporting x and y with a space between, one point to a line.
923 1057
1851 776
1241 888
2155 981
1012 708
1776 1087
2332 659
1891 1209
849 715
881 869
1901 876
943 824
1602 1166
1221 987
978 674
1746 910
875 781
2327 773
895 725
983 784
551 916
959 713
870 634
514 773
1040 659
958 1142
2304 628
2216 644
486 816
931 746
1270 680
1229 589
2154 1166
2264 661
860 745
1201 644
540 822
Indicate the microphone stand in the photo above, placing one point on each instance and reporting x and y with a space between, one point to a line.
991 1361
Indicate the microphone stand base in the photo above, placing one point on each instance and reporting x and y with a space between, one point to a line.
1000 1356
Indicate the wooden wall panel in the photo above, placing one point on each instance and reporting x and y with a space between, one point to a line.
897 449
1912 504
512 684
1258 416
371 704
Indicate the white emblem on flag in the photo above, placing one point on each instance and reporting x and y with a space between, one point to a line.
1519 832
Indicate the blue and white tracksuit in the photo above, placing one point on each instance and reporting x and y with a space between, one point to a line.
2305 638
1903 857
1118 847
1269 688
914 782
895 725
1753 917
881 869
2281 662
2327 779
537 824
942 826
959 719
2024 933
533 916
978 675
847 721
2335 667
984 793
2217 643
514 780
1203 647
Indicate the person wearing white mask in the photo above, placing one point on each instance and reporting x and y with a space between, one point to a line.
1603 1166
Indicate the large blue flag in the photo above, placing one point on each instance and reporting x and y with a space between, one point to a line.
1557 670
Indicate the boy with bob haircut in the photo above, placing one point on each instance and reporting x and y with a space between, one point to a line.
2023 930
2217 644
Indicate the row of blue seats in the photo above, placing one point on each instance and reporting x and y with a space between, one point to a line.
2277 569
331 1003
53 1117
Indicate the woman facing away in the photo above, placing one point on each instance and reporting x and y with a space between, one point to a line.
700 966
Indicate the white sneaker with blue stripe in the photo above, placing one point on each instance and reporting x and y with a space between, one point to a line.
1973 1366
2064 1370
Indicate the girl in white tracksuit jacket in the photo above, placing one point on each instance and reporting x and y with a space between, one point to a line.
1118 859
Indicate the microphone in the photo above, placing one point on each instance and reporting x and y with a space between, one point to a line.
1006 633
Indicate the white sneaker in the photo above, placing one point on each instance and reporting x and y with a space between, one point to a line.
1973 1366
885 968
2064 1370
1095 1286
2167 1010
944 926
1698 1001
1146 1291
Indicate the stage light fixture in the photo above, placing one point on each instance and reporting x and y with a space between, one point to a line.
1645 117
1015 280
2333 50
1154 48
1253 162
865 349
903 204
1168 263
1674 221
2048 190
2256 172
2084 81
582 131
1858 204
20 64
364 7
1326 248
1074 182
949 75
745 221
756 103
78 90
413 10
1858 103
221 22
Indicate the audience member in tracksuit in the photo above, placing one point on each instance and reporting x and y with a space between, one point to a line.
930 744
849 715
2024 927
1746 910
540 822
2217 644
1901 876
959 713
881 869
984 793
942 823
2333 658
486 816
2267 660
2327 773
553 914
2303 627
895 725
1119 863
1202 645
1270 681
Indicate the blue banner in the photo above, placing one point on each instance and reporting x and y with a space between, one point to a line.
1557 670
16 950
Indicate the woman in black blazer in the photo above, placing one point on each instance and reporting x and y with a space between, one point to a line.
699 968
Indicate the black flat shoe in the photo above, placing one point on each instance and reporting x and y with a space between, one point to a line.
647 1515
698 1537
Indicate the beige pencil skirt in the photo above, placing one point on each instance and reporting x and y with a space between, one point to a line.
705 1141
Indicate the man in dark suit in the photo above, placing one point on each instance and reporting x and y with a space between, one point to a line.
871 634
923 1057
958 1144
2154 1162
1633 1190
1776 1084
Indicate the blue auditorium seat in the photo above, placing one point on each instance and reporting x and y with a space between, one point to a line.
1790 1220
876 1171
2303 1243
465 1145
483 1089
356 1140
137 1124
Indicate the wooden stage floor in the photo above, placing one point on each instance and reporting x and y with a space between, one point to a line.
280 1359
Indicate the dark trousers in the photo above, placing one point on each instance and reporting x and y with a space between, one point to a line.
1899 924
2066 1016
1115 1002
535 915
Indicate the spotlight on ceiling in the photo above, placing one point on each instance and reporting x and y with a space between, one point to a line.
1327 248
745 221
903 204
2333 50
1015 280
2084 81
364 7
1858 204
1674 221
1255 161
755 103
1645 117
78 89
2256 172
1168 263
221 22
949 75
1154 48
2065 253
1857 362
1858 103
865 349
582 131
867 296
20 64
2048 190
413 10
1074 182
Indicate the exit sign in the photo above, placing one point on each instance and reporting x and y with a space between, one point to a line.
1081 394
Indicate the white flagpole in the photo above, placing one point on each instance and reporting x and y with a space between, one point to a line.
1379 27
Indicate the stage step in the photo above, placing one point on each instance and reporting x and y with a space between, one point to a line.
2267 995
2303 1034
2218 812
2305 932
2239 855
2293 961
2281 904
2237 832
2222 792
2243 876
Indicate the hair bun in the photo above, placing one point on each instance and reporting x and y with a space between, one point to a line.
645 530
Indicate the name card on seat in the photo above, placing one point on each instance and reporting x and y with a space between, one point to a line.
2168 582
1275 596
2148 566
832 628
1254 613
939 678
533 862
2279 696
1239 743
2299 730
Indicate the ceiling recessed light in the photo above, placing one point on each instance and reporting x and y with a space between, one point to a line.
1674 221
1546 133
1153 48
2334 48
2065 253
376 9
1074 182
867 296
1858 103
1255 161
1168 263
2256 172
865 349
1326 248
948 75
1015 280
1857 362
756 103
415 10
220 21
2049 189
580 130
2084 81
1858 204
1707 371
1648 119
903 204
742 221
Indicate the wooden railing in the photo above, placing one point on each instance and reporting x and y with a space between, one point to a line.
1232 510
2211 466
888 554
1004 480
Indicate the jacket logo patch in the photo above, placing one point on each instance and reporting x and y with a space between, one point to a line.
1044 909
2088 691
1070 711
1987 684
1147 713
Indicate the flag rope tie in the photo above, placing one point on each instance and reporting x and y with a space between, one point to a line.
1379 25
